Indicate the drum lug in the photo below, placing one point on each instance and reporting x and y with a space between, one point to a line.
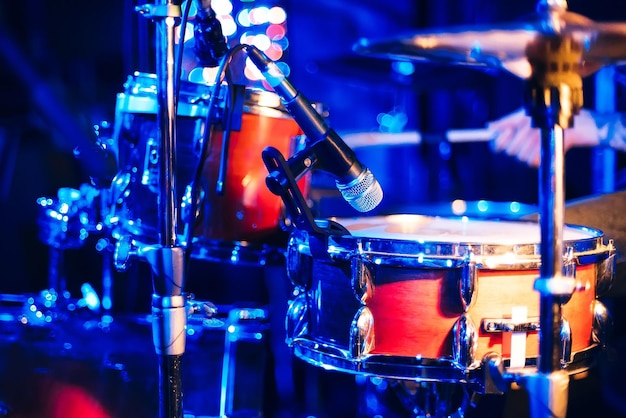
467 285
465 342
124 252
602 323
606 271
298 264
296 322
569 271
362 282
362 333
566 342
150 173
119 189
569 264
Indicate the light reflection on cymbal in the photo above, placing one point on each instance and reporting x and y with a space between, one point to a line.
505 45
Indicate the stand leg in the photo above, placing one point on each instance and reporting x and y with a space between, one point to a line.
169 317
170 386
167 259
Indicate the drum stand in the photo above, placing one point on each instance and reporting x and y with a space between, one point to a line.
167 259
554 97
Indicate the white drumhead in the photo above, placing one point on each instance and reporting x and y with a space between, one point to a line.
421 228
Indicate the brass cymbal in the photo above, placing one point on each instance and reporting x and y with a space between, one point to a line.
506 45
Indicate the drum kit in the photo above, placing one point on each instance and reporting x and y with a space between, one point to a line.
429 301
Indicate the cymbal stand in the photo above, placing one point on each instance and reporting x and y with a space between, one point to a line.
169 310
554 96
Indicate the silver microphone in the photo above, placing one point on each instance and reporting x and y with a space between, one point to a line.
363 193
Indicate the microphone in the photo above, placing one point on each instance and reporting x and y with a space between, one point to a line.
209 41
357 184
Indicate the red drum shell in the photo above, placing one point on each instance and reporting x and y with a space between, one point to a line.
403 280
247 210
246 214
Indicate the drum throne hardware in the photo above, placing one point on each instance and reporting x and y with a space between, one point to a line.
552 53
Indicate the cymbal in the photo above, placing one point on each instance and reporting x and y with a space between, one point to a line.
422 76
506 45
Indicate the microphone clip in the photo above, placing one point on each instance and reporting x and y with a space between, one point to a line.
282 181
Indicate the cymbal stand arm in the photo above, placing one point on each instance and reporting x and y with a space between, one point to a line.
169 310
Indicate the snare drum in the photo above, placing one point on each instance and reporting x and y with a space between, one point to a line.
430 298
246 215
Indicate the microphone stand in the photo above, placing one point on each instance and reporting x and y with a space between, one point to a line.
167 258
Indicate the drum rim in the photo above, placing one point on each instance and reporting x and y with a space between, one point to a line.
236 252
257 101
393 250
443 370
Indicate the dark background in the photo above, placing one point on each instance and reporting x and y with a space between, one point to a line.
62 64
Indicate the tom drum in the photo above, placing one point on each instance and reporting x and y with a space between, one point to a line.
245 215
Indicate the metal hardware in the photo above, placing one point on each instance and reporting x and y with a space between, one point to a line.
497 325
362 333
468 284
362 279
465 342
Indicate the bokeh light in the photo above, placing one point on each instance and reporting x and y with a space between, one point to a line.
229 27
277 15
257 23
275 32
243 18
274 52
222 7
259 15
251 71
262 42
188 32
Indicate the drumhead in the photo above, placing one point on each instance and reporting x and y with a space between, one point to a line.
455 230
140 91
407 236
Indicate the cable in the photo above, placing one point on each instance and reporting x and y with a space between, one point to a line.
178 70
195 185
